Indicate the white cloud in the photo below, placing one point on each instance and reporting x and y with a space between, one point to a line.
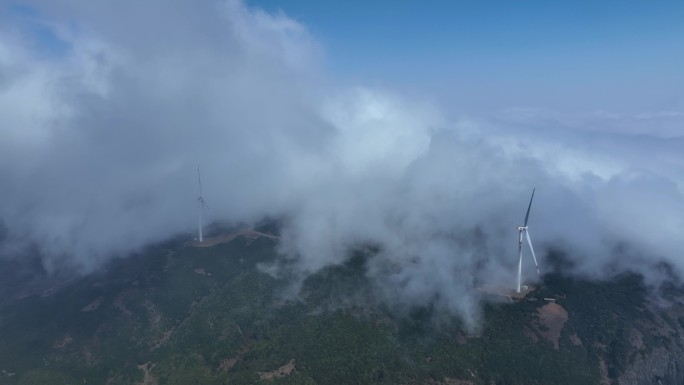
100 143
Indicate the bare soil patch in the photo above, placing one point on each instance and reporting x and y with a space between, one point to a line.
148 378
575 340
553 317
282 371
93 305
120 302
603 371
228 363
62 344
636 339
155 318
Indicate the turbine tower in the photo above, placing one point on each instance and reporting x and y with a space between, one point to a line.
201 205
523 229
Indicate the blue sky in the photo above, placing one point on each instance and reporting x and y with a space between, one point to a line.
482 56
583 55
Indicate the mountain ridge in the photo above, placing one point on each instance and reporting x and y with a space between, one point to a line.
178 314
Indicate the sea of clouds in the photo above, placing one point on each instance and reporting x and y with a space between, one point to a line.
103 123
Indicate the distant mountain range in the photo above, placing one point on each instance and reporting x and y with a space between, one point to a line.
180 314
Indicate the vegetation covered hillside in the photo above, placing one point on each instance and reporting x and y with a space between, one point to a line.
179 314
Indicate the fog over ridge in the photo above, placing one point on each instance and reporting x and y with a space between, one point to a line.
101 132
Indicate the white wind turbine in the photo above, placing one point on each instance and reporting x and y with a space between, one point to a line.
523 229
201 205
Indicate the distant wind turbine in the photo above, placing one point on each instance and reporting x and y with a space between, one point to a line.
523 229
201 205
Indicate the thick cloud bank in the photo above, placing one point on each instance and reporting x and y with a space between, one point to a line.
102 123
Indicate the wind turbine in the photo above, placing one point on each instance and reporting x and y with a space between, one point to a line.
201 204
523 229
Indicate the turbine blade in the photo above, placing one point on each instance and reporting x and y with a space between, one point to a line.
529 242
199 180
527 216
